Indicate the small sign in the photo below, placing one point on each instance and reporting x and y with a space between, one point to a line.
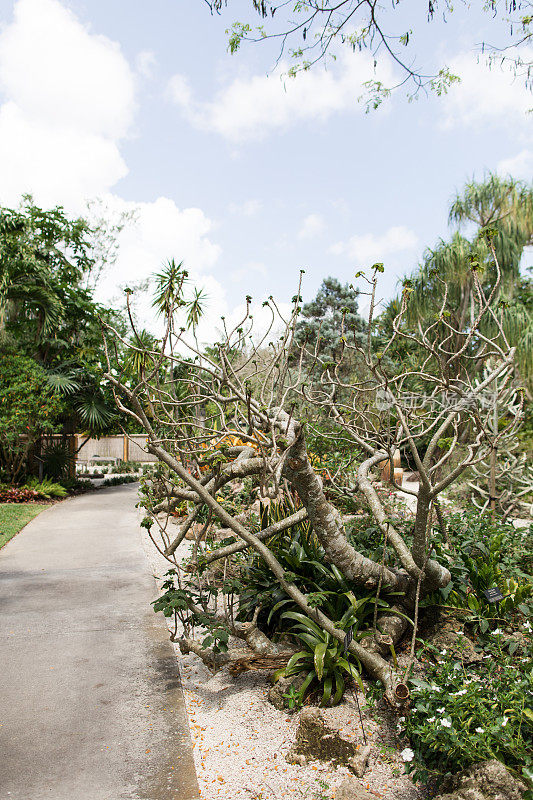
493 594
348 638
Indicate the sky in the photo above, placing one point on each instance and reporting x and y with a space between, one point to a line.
225 163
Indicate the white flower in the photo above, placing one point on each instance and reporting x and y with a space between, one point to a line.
460 692
480 730
440 710
497 632
505 721
527 625
445 723
407 754
431 719
443 652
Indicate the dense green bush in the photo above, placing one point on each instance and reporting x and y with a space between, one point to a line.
119 480
460 716
27 409
485 554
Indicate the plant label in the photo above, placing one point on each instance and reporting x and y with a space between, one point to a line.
348 638
493 594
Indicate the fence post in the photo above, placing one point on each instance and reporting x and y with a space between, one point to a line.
72 441
126 449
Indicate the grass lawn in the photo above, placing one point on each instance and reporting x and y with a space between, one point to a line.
13 517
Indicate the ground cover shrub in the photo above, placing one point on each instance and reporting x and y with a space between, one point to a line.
75 485
461 714
119 480
303 558
125 467
486 554
18 494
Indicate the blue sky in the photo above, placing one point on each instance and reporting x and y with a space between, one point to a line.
244 176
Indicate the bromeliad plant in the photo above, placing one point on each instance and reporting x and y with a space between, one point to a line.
323 661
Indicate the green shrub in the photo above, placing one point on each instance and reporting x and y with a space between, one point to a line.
486 554
47 488
57 460
119 480
27 409
125 467
303 558
461 717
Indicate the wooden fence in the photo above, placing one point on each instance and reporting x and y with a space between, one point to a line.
121 447
81 450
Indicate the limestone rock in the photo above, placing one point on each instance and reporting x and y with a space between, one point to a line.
295 758
280 688
316 739
448 635
352 789
488 780
358 763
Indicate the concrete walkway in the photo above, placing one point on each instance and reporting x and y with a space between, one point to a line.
91 706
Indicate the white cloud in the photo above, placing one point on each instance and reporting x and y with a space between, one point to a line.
519 166
146 63
59 72
179 90
69 99
248 271
312 226
54 165
161 231
247 209
158 232
368 249
487 94
250 108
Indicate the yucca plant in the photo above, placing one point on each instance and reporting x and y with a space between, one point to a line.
322 659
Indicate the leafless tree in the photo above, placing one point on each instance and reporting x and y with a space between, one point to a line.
434 412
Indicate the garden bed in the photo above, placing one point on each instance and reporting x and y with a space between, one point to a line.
241 741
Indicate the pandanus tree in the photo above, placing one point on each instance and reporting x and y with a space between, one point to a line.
506 206
257 392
